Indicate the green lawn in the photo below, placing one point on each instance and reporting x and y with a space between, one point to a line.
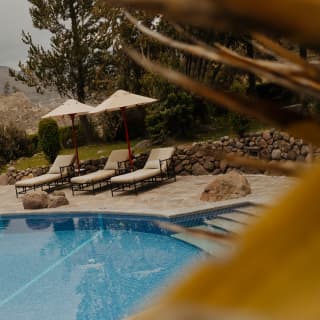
37 160
103 150
85 153
96 151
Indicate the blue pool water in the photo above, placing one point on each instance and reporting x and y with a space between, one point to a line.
84 268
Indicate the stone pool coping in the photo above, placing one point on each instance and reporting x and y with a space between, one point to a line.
168 200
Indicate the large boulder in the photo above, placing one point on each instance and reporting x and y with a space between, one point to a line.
229 186
35 200
57 201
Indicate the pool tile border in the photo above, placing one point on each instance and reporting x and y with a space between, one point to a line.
114 219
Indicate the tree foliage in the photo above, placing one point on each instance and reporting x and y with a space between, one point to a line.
86 60
49 138
14 143
77 55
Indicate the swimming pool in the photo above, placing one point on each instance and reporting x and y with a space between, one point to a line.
84 267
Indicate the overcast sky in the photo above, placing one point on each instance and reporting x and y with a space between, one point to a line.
15 17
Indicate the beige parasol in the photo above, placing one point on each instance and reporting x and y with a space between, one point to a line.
71 108
120 101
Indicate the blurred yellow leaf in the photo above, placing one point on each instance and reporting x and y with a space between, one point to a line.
275 273
298 19
298 125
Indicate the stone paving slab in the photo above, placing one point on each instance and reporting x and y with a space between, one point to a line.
168 199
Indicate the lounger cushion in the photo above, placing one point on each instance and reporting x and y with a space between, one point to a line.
136 176
152 164
159 154
61 161
41 180
115 157
112 166
94 177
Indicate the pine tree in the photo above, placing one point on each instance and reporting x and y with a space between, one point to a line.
77 57
77 49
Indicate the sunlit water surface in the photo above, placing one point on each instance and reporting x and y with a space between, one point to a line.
79 268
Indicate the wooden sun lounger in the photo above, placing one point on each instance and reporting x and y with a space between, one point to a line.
158 168
118 163
59 174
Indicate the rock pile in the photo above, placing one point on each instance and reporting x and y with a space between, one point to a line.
14 175
35 200
57 199
41 200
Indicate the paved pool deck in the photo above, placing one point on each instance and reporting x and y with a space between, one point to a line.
168 199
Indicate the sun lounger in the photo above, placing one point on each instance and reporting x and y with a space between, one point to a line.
117 164
158 168
59 174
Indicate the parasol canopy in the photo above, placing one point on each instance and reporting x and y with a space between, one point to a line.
120 101
68 108
71 108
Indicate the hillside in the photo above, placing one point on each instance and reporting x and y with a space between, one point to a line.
49 98
24 107
17 109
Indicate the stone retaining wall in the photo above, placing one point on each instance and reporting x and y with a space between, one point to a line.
14 175
201 158
271 145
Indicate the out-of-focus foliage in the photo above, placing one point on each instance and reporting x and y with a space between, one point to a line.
239 123
273 275
272 16
177 116
127 75
274 272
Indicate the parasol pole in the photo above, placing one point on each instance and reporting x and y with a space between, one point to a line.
124 118
75 142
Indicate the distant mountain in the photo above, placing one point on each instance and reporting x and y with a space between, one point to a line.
23 106
17 110
50 99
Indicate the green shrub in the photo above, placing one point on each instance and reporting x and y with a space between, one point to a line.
65 137
177 116
82 135
239 124
34 143
14 143
109 124
49 138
